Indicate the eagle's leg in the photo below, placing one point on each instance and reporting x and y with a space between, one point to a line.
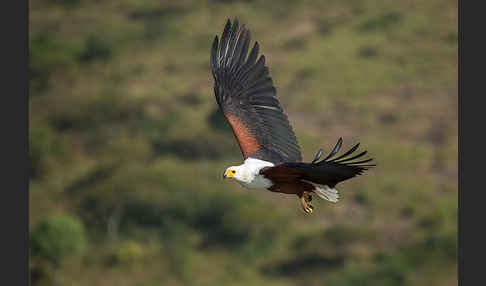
305 200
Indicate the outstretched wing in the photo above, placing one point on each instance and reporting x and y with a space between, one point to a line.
328 171
246 95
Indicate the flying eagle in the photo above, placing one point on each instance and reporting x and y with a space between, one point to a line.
272 159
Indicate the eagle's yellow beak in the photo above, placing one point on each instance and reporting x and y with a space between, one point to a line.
228 174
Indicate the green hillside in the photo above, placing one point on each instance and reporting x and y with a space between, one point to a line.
127 146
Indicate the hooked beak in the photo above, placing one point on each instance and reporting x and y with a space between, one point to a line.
228 174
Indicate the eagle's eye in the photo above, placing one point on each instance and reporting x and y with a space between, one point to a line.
233 171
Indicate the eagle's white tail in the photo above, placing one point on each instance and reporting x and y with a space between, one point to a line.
325 192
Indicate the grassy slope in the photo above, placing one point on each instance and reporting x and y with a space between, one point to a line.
122 117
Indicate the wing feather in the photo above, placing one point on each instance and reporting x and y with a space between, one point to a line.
246 95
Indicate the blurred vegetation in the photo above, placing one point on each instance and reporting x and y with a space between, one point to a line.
127 147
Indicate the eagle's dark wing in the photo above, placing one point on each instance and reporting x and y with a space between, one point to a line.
246 95
328 171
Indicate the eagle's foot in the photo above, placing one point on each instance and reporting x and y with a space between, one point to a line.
305 201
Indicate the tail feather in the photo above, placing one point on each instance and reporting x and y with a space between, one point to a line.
330 171
325 192
349 152
335 150
342 159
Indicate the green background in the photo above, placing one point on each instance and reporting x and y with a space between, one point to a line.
127 146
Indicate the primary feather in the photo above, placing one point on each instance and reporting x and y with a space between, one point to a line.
245 94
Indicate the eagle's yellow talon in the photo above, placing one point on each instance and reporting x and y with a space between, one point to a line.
306 202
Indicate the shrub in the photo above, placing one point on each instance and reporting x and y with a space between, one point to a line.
57 237
48 55
96 49
39 146
381 22
126 252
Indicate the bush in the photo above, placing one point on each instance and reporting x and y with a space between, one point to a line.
126 252
105 110
43 147
67 3
381 22
39 146
57 237
48 55
236 223
96 49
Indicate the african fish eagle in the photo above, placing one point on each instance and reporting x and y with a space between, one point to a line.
272 159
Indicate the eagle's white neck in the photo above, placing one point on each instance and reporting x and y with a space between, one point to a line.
248 173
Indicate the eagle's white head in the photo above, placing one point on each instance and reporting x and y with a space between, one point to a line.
239 173
248 173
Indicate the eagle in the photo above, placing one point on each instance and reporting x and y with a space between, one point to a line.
246 96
